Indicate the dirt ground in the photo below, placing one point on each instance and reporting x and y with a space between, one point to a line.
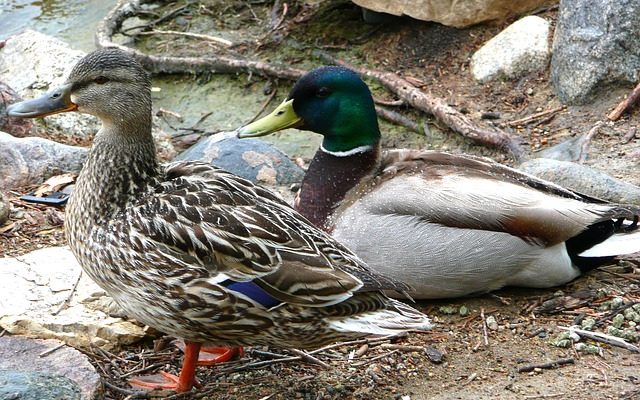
472 364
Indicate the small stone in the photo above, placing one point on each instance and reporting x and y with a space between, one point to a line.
448 310
632 315
492 324
464 311
563 339
612 330
617 302
520 49
588 323
588 348
434 355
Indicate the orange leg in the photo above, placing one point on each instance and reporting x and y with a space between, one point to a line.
210 355
221 354
183 383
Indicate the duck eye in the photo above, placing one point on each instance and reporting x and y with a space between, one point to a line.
100 80
323 92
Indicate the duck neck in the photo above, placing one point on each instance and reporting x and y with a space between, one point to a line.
331 175
119 169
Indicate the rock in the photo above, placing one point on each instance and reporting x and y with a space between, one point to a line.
33 63
27 161
5 208
572 149
34 286
595 47
520 49
36 386
253 159
583 179
64 368
454 13
14 126
492 324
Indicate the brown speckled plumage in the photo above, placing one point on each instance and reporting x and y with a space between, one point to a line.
168 242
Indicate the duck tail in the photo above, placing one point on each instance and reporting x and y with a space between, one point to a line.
396 318
616 245
604 240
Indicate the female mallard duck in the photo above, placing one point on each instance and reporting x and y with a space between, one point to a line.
451 225
197 252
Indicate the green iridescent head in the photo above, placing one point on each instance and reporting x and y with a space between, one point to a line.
331 101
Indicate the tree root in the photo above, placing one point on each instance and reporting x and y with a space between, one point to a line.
218 63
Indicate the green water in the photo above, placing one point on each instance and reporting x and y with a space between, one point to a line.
73 21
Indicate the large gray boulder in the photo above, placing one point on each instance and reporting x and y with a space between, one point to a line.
583 179
252 159
31 160
452 12
596 46
33 63
520 49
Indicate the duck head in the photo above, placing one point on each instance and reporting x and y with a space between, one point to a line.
331 101
107 83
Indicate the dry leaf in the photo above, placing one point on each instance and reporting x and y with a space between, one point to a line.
54 184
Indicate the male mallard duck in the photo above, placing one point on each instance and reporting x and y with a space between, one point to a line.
195 251
451 225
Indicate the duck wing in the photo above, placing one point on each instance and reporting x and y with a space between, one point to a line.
476 193
226 228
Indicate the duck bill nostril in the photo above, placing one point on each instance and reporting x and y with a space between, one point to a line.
283 117
56 101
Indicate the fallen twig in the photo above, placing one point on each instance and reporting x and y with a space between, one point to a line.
629 135
584 150
51 350
544 396
535 116
131 394
625 104
549 365
163 18
484 327
208 38
378 357
398 119
604 338
309 358
264 105
66 301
